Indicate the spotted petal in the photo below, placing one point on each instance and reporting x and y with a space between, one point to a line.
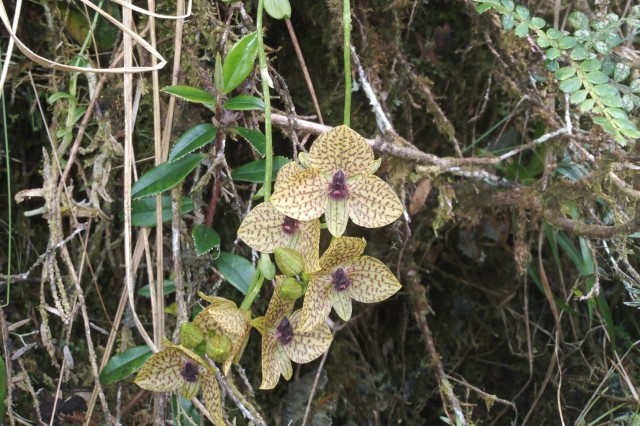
337 216
286 172
371 280
341 302
303 196
307 242
162 371
307 346
278 307
342 249
372 203
211 397
317 305
341 149
270 363
262 229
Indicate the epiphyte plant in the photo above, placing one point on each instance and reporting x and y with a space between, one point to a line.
583 62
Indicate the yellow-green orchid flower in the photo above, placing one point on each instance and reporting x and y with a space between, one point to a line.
281 343
176 367
338 182
345 274
265 228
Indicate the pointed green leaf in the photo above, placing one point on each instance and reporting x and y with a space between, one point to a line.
240 61
244 103
237 270
194 138
143 210
278 9
124 364
205 239
630 133
191 94
165 176
256 138
621 72
169 286
218 76
254 171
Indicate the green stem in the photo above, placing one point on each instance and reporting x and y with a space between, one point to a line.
253 292
258 279
264 75
346 27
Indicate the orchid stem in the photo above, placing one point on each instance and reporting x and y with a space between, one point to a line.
346 26
264 76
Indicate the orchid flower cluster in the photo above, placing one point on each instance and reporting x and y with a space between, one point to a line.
336 178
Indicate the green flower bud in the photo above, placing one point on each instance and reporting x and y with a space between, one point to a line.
218 347
190 335
289 261
266 266
291 289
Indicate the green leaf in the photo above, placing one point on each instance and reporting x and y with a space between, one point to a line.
278 9
587 105
579 96
634 86
483 7
522 30
612 101
240 61
205 239
565 72
554 34
191 94
597 77
143 210
542 40
630 133
551 65
590 65
537 23
579 20
601 47
165 176
553 53
254 171
218 76
508 22
571 85
621 72
618 114
605 90
509 4
605 123
579 53
244 103
522 12
194 138
256 138
623 123
237 270
169 287
124 364
567 42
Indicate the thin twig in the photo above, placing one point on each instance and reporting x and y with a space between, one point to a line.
314 388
